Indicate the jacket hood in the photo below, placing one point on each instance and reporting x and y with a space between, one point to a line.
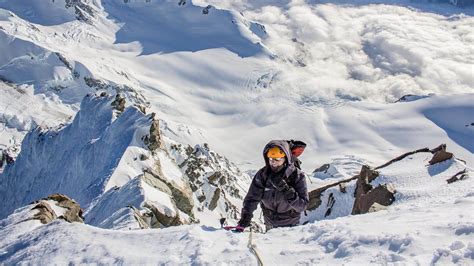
285 147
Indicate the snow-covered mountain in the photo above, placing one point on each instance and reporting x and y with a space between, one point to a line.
153 114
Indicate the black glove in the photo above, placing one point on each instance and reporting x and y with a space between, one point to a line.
279 183
245 220
290 194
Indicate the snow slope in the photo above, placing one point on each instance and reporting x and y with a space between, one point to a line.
286 64
429 223
233 76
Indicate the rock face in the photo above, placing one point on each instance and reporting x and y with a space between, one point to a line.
375 199
182 196
73 211
69 210
119 103
216 183
84 12
45 213
154 140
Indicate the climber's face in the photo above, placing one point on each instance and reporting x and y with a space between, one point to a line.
276 164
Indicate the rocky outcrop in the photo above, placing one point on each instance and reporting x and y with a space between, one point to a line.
70 210
182 196
84 12
215 198
366 197
440 155
216 183
73 212
375 199
161 219
131 94
119 103
45 212
154 140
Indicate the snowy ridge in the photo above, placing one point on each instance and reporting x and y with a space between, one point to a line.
54 157
114 164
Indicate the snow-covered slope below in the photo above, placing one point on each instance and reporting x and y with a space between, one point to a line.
276 70
423 226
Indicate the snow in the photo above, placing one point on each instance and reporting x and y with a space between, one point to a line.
328 73
77 160
437 233
371 53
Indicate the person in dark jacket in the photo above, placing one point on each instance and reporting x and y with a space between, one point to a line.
280 188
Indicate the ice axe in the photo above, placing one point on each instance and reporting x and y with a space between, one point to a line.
235 229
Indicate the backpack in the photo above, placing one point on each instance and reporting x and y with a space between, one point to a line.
297 148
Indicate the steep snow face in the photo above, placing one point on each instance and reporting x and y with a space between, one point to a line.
76 160
20 112
115 163
44 13
179 29
429 223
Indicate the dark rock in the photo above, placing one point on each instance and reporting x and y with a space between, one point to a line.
141 108
83 11
64 60
330 204
314 200
322 168
342 187
153 140
46 214
96 83
363 186
205 10
141 220
440 155
382 195
201 198
461 175
119 103
215 178
181 196
215 198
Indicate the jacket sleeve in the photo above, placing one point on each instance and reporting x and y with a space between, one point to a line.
302 198
254 195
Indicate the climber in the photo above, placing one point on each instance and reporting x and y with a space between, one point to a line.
280 187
